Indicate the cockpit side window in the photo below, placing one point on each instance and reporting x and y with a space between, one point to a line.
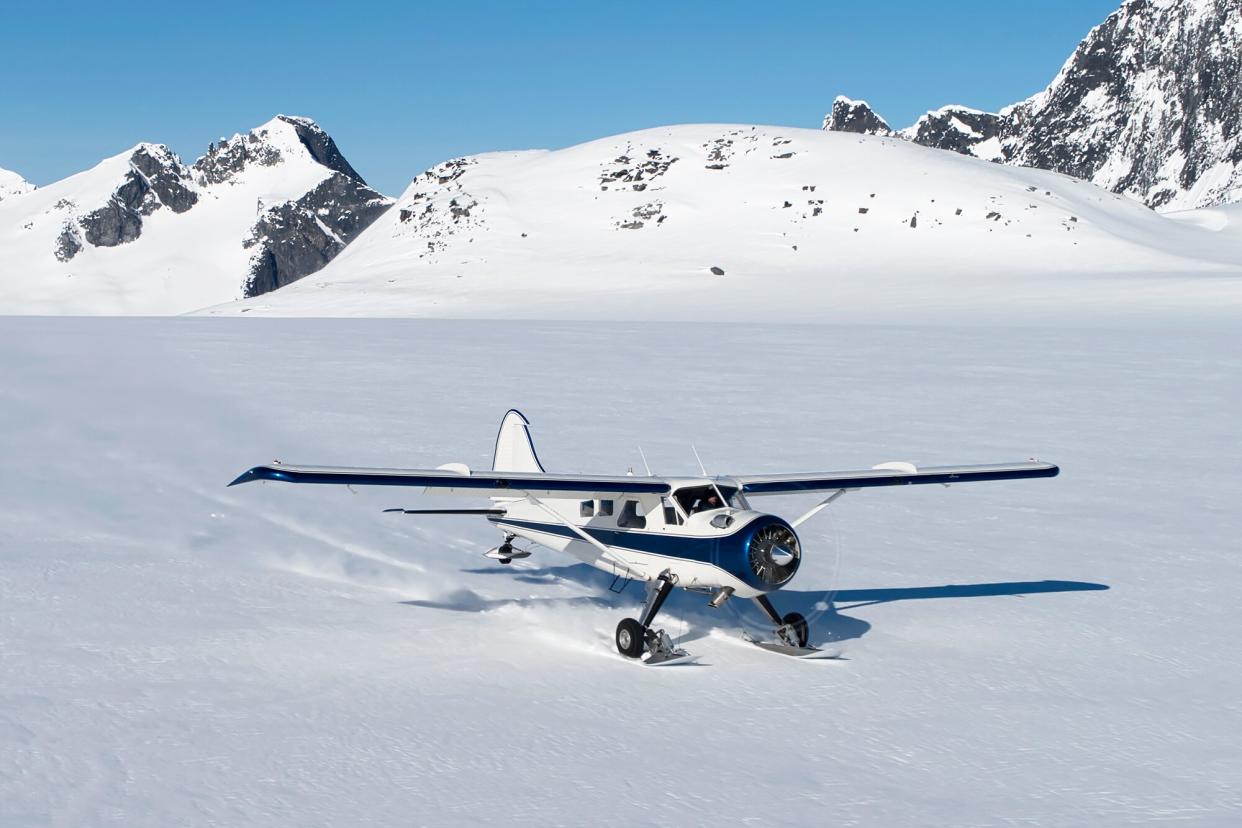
629 517
694 499
671 518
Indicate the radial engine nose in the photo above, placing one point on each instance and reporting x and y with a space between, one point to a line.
773 552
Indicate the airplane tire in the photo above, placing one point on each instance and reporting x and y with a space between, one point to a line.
630 638
799 625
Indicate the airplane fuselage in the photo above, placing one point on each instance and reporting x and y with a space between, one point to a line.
642 537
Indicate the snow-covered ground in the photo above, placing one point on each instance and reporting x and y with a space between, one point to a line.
1051 652
741 223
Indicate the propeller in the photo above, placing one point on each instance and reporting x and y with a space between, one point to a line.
774 554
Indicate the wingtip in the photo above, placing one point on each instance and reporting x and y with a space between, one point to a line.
246 476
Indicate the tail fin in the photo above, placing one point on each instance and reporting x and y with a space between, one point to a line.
514 450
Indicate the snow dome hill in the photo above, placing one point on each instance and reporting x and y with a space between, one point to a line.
745 222
12 184
141 232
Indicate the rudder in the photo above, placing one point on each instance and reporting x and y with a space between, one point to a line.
515 451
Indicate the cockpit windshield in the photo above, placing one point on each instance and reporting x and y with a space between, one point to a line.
694 499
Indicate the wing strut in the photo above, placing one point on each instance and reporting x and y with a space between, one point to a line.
823 504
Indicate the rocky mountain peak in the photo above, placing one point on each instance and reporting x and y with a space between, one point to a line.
849 115
320 145
284 138
1149 104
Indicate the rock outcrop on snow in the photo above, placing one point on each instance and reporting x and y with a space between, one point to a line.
257 211
849 115
960 129
156 179
1149 104
297 238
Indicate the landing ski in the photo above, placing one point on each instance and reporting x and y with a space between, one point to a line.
805 653
669 659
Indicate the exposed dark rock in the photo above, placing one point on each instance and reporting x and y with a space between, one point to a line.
297 238
167 177
224 160
114 223
957 128
638 174
69 242
321 146
156 179
717 271
855 116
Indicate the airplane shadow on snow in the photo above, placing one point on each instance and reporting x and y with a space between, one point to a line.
828 622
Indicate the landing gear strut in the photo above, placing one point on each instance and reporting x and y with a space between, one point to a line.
791 629
635 636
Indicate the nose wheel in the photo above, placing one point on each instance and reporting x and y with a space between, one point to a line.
791 629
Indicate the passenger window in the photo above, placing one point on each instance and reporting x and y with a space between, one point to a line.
605 508
587 508
630 518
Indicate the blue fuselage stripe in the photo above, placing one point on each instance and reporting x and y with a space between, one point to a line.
705 550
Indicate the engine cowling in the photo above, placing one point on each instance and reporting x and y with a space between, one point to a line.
766 553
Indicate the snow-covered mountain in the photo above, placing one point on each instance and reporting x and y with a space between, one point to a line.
141 232
12 184
1149 104
745 222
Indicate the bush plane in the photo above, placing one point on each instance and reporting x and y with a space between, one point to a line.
698 533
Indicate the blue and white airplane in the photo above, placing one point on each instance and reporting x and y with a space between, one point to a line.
697 533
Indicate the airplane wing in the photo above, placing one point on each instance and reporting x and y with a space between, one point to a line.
484 483
888 474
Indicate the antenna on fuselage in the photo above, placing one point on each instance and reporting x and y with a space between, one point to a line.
646 465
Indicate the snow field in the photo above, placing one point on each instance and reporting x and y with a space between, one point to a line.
1054 652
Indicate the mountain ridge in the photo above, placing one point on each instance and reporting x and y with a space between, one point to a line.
142 231
1149 104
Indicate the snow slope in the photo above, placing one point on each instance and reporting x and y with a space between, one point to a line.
803 224
1050 652
141 233
12 184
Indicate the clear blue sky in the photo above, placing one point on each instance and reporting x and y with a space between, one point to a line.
402 86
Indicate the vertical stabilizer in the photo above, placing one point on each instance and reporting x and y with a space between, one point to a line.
514 450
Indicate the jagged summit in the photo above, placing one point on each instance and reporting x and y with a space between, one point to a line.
849 115
1149 104
143 232
283 138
